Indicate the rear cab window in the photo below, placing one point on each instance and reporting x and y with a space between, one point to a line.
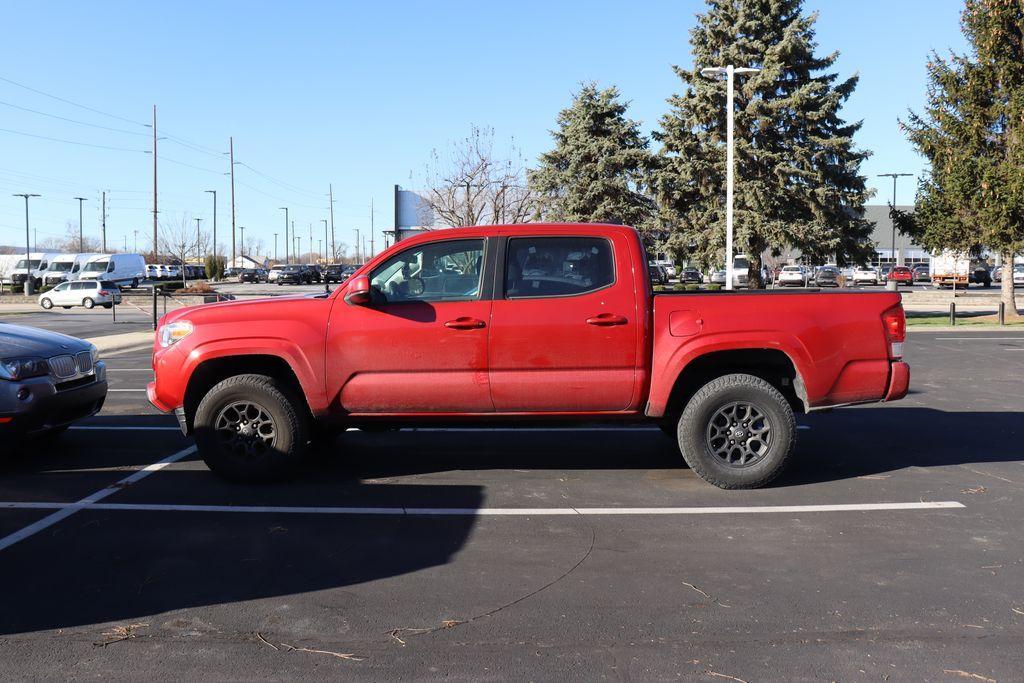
557 266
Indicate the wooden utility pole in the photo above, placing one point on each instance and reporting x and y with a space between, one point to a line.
334 248
156 249
231 152
103 223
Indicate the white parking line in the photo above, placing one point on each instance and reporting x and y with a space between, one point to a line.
65 510
979 339
134 391
487 512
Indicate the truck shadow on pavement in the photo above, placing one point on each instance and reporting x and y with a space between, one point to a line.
844 444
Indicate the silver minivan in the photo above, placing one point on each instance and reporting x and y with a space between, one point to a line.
87 293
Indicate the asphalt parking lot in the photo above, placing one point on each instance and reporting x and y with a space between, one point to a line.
892 550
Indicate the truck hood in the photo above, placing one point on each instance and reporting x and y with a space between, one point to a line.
22 341
239 309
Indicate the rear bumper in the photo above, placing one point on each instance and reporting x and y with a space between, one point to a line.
899 381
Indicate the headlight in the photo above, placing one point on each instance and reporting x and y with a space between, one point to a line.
173 333
22 368
95 353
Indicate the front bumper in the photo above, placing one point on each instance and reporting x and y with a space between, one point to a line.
46 406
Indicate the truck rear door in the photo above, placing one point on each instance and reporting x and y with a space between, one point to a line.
564 324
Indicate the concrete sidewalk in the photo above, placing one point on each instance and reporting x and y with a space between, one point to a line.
128 341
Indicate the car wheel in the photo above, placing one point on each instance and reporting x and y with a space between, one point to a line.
135 283
108 305
737 432
88 303
250 428
66 308
46 304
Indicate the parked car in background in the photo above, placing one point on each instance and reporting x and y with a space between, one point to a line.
690 276
121 269
332 273
827 276
172 272
793 276
922 273
901 275
717 277
64 267
293 275
35 265
980 275
152 271
349 270
863 275
87 293
253 275
47 380
315 275
669 267
1018 275
657 273
274 272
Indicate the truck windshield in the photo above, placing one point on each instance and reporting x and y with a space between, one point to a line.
34 263
60 266
95 267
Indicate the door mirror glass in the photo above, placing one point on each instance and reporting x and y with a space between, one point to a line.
358 293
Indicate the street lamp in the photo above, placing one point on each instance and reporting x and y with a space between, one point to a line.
30 285
275 248
326 241
241 229
892 214
214 193
199 239
81 241
285 209
729 72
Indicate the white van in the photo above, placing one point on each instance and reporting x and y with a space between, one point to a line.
64 267
37 263
121 269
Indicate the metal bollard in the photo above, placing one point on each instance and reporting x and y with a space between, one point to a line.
952 313
1002 313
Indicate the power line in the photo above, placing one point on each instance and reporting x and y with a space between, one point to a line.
64 118
74 104
71 142
283 184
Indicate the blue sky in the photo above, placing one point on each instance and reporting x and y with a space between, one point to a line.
357 94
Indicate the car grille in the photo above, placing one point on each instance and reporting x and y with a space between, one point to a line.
63 366
67 366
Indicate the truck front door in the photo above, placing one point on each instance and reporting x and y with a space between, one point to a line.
421 345
564 326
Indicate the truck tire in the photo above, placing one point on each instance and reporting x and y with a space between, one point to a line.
250 428
737 432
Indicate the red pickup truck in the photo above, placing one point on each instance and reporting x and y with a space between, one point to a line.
523 322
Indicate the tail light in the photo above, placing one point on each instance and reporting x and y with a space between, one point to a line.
104 292
895 324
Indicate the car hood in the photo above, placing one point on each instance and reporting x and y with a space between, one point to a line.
21 340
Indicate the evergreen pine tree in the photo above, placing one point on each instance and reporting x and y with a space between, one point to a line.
972 133
798 181
596 171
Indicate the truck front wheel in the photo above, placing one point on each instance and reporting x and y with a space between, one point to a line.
737 432
249 428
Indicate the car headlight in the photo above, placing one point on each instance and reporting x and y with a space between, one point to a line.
22 368
94 352
172 333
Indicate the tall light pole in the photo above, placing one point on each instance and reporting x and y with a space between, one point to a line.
729 72
231 153
30 284
357 246
295 250
81 240
214 193
241 229
199 238
327 242
892 214
136 243
311 237
275 247
334 248
285 209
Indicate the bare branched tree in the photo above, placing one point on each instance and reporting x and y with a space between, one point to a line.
468 185
180 240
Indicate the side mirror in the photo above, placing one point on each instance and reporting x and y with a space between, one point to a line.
358 293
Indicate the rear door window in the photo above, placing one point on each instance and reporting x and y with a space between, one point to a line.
557 266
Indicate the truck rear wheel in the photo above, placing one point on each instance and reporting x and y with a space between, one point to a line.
249 428
737 432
